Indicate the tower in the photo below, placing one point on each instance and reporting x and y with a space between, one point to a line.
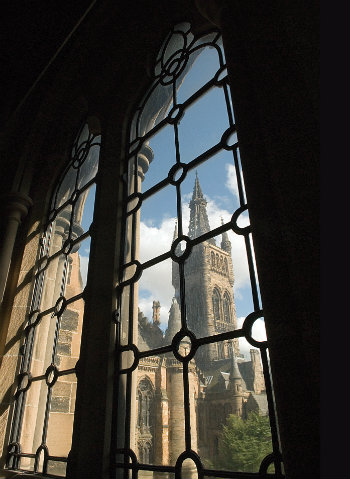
235 386
209 279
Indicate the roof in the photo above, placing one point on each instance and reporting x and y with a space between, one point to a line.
261 401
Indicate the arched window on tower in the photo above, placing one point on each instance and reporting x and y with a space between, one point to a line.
145 397
227 307
145 420
216 305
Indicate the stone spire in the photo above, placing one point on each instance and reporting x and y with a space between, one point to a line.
225 243
174 324
199 223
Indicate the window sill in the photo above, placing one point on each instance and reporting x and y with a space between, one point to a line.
10 474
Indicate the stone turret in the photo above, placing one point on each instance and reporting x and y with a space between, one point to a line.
236 387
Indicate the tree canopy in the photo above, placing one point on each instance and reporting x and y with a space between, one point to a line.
244 443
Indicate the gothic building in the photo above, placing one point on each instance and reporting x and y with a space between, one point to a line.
221 380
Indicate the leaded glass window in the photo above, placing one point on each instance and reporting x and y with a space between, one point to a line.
42 424
186 230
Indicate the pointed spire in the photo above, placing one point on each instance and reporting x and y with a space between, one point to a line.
176 234
197 190
174 324
199 222
225 243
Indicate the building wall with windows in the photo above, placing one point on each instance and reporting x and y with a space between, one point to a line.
273 74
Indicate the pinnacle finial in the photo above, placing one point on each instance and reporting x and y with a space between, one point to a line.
225 243
197 190
175 231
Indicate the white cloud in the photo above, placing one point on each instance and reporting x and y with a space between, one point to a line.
231 180
258 333
155 284
84 263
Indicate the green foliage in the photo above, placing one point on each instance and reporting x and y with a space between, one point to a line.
244 443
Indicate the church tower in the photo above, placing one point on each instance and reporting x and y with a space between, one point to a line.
209 280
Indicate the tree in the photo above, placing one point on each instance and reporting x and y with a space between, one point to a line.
243 444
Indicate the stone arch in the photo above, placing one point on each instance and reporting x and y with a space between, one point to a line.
145 398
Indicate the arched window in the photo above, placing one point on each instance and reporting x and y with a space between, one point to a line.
216 305
145 420
227 308
145 404
213 259
188 99
51 345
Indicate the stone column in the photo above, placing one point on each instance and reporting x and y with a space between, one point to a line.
176 410
177 443
144 158
16 207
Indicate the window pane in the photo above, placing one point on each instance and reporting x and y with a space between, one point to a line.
192 325
44 407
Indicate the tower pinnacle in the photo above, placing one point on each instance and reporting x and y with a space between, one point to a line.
199 222
225 243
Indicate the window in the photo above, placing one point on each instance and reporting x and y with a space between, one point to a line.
101 71
227 307
175 251
174 368
42 423
216 305
145 432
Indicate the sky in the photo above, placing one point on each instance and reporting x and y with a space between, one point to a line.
200 128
